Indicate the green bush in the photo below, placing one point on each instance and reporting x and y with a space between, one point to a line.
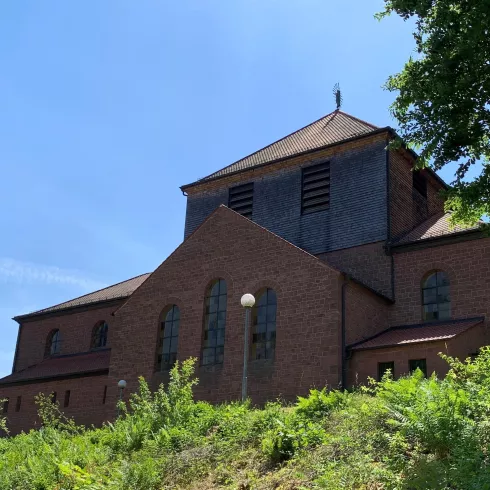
412 433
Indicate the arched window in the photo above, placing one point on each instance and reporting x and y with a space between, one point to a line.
99 335
264 325
435 296
53 344
214 323
168 339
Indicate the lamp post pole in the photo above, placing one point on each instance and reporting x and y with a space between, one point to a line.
247 302
121 385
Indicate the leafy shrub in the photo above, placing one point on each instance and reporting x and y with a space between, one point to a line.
320 403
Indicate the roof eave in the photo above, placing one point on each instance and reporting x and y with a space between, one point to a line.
62 311
205 180
460 236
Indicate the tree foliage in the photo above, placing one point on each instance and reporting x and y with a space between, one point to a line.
443 97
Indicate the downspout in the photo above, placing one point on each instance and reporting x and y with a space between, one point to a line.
388 220
343 336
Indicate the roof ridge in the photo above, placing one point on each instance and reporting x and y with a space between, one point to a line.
82 296
358 119
265 147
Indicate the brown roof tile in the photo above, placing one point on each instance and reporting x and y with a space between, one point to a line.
436 226
86 362
332 128
117 291
411 334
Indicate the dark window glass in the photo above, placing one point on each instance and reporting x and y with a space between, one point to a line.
66 401
104 396
240 199
420 183
53 344
214 324
99 335
383 367
315 188
436 300
18 403
54 396
415 364
5 408
168 338
264 325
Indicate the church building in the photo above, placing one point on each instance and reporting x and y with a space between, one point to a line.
349 254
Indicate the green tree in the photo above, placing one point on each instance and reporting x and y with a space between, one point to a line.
443 101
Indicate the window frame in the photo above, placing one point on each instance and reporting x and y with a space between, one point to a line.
219 349
5 405
412 367
386 367
437 303
419 183
174 311
54 339
270 301
100 334
307 204
66 399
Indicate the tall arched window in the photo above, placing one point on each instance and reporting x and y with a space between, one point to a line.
53 343
214 323
264 325
99 335
168 339
435 296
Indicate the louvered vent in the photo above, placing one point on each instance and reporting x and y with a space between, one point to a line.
240 199
315 195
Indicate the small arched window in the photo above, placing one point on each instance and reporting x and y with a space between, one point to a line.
168 339
99 335
436 300
53 344
264 325
214 323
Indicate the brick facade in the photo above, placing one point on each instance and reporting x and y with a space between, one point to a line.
76 333
86 402
339 274
249 258
369 263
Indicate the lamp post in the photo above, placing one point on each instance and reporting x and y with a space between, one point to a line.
121 385
247 302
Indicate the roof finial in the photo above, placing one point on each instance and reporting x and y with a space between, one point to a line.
338 95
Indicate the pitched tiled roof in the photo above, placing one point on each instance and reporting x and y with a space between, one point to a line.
332 128
87 362
436 226
411 334
117 291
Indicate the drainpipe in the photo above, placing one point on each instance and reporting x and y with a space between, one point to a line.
342 342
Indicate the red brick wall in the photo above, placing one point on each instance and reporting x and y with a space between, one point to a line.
407 207
76 332
85 406
364 364
366 313
367 263
468 266
248 258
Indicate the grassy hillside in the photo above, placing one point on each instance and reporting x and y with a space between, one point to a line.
413 433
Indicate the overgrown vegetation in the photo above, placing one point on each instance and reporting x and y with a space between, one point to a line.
414 433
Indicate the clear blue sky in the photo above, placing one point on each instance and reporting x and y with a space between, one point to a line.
106 107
